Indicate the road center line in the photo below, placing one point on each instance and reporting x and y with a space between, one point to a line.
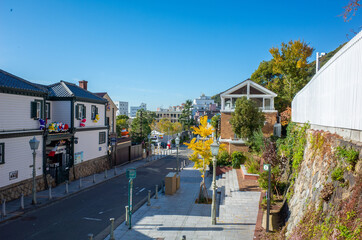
92 219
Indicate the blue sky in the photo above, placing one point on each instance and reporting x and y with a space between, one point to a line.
159 52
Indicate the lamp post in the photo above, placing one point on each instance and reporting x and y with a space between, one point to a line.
34 144
214 150
177 140
149 145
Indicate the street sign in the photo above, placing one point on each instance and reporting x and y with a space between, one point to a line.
131 173
266 167
113 141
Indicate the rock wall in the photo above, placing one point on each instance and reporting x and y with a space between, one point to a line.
89 167
315 175
15 190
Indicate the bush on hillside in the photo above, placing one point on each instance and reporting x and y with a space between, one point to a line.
237 158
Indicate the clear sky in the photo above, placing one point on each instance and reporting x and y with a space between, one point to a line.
159 52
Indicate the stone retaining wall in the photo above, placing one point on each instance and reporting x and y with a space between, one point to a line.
89 167
14 191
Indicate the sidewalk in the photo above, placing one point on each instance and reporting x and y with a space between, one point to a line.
172 217
13 208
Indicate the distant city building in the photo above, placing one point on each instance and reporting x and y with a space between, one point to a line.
202 106
172 113
134 109
122 108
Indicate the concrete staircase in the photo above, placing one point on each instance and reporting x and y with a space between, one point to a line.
236 206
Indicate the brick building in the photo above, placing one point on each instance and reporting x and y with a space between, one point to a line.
264 99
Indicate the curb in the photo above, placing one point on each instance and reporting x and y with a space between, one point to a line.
69 195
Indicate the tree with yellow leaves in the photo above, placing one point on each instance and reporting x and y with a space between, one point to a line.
201 154
290 61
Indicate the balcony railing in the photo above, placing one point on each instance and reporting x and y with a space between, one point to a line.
232 108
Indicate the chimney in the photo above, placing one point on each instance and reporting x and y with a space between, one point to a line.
83 84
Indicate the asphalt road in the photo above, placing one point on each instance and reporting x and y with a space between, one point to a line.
89 211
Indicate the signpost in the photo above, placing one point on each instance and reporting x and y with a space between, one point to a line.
113 141
267 167
130 174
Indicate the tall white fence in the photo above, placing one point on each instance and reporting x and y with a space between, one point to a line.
333 98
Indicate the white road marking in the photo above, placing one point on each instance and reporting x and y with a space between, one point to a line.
92 219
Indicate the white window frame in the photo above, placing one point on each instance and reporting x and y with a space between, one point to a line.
38 109
80 111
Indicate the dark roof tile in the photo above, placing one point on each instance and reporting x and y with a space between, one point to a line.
7 80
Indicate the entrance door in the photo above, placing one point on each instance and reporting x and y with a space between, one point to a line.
64 168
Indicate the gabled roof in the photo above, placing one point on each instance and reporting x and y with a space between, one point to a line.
65 89
100 94
245 83
9 81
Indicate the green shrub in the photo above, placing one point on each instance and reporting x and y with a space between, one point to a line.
256 142
252 165
349 155
223 159
237 158
275 184
337 174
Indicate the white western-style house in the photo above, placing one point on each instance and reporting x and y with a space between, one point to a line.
70 123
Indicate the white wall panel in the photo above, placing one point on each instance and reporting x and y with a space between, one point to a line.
15 112
18 157
90 122
60 112
333 97
88 143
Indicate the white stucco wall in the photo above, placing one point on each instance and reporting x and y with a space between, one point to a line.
60 111
18 156
15 112
90 122
333 97
88 143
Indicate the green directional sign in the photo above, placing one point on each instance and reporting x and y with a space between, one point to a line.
131 173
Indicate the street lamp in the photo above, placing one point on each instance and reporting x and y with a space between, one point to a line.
149 145
177 140
214 151
34 144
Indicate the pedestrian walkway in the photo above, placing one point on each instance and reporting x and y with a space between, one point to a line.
177 216
14 208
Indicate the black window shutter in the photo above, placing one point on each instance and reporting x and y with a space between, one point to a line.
84 112
77 111
33 106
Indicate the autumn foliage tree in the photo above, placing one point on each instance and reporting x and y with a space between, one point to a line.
286 73
201 154
290 61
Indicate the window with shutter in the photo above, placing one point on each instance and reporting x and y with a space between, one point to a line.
93 112
84 112
36 109
2 153
77 111
33 106
47 110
